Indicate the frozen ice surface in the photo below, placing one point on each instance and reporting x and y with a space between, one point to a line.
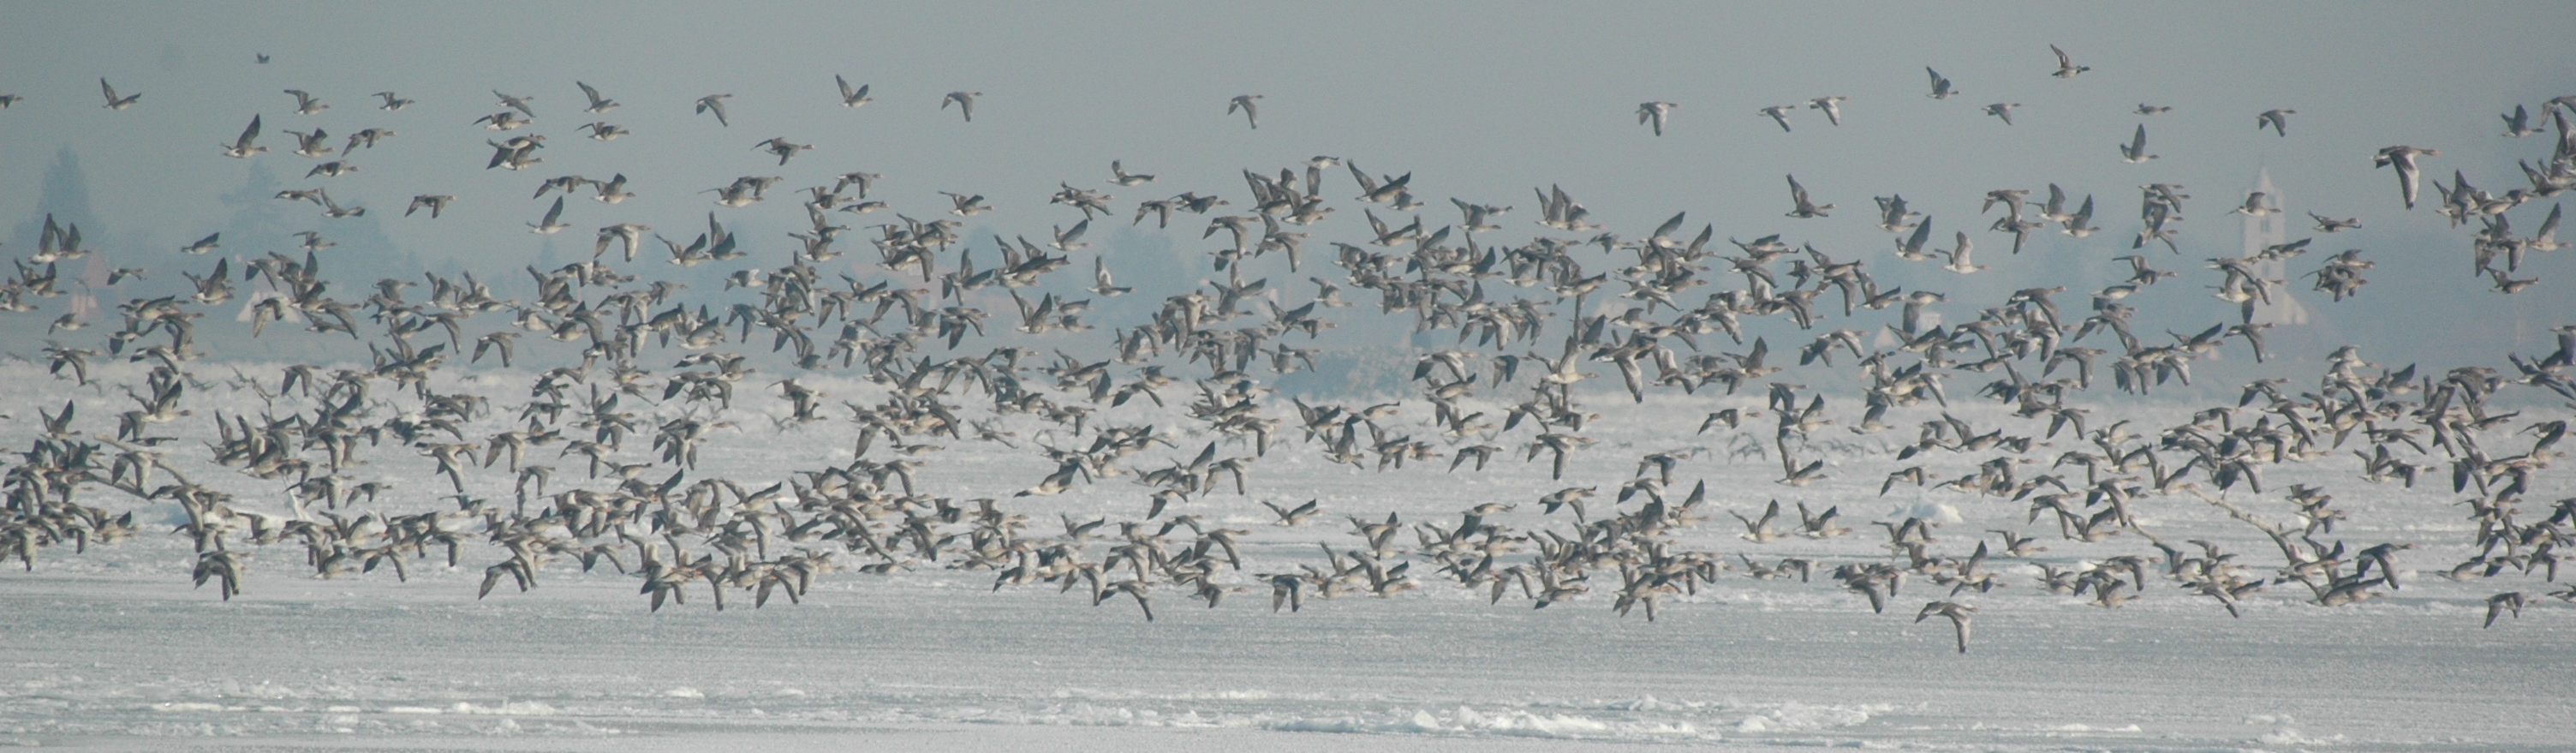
112 649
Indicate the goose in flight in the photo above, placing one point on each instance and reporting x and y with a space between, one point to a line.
2499 604
1250 112
1124 178
1910 248
1070 240
1778 114
1940 86
1958 614
966 103
1759 530
2002 110
628 234
1960 259
2066 67
436 203
1795 474
392 102
605 131
2327 224
2517 124
2254 206
612 192
781 147
2148 109
2277 120
851 97
1832 105
715 102
505 120
1290 516
1103 284
310 143
967 206
2080 223
115 102
2135 151
2409 176
203 245
553 222
242 147
1805 208
597 103
9 99
305 104
518 103
1657 113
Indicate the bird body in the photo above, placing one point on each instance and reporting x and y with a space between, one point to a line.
852 98
715 103
2278 120
2135 151
1941 88
2002 110
1251 111
1656 113
115 102
965 102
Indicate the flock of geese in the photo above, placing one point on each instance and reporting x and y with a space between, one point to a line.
1529 322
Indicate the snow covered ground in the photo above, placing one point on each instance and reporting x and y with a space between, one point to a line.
112 649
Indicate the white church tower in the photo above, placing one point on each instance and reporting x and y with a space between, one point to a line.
2263 231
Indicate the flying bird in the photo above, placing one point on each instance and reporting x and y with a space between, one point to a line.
1805 208
305 104
966 103
553 222
2277 120
1657 113
2517 124
115 102
2066 67
2002 110
2409 175
1243 102
851 97
516 102
597 103
715 103
436 203
242 147
1831 105
1958 614
1778 114
1941 86
2135 151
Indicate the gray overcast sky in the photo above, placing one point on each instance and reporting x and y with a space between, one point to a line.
1479 101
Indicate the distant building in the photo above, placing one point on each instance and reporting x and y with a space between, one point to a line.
2264 231
83 306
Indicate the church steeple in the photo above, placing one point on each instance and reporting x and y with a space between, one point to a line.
2263 231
